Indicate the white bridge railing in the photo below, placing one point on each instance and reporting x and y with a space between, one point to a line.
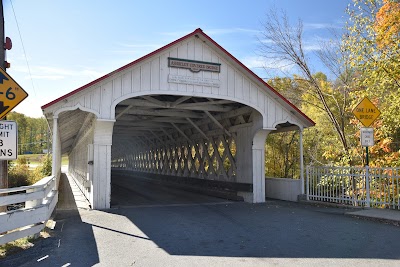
357 186
37 204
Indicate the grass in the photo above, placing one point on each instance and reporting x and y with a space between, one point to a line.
15 246
32 158
35 159
21 244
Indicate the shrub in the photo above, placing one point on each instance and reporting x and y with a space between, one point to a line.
18 173
43 170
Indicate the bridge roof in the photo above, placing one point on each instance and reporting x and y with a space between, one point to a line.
198 32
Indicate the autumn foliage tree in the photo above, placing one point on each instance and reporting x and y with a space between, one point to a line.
364 61
372 40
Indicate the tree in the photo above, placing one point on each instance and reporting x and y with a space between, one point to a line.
285 45
282 155
372 41
32 132
387 26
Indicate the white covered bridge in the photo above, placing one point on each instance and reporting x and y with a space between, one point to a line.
188 111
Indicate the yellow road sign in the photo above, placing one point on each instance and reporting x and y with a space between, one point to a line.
11 94
366 112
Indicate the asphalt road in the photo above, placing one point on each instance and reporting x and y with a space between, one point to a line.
128 191
274 233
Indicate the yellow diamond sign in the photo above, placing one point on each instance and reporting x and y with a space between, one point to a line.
366 112
11 94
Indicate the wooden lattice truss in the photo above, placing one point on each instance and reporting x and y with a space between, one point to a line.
180 136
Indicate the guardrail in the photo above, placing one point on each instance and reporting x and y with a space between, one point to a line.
38 202
357 186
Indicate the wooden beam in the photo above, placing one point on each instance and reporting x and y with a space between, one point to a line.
217 123
168 119
123 112
155 101
142 123
198 106
165 113
197 128
135 128
179 130
180 100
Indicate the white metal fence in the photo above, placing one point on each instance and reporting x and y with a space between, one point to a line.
37 204
357 186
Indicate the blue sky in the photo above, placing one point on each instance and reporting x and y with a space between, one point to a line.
70 43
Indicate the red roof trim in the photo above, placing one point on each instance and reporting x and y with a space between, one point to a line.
197 31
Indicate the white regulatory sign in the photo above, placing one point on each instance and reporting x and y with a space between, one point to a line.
8 140
367 136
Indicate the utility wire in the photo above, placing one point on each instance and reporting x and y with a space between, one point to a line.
23 48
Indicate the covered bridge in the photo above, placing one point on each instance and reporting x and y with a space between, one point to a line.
188 110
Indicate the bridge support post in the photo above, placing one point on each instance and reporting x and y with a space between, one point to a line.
56 152
258 158
301 162
101 182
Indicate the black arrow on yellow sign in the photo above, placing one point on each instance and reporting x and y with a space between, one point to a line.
2 78
2 107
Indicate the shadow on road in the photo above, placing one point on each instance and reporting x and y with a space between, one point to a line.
273 230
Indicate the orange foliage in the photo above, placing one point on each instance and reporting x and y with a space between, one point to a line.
387 24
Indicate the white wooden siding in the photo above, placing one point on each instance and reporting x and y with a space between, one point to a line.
151 77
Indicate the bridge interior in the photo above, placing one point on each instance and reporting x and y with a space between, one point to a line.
193 143
180 140
168 142
189 142
179 136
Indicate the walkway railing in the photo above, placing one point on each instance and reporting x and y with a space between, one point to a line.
37 204
357 186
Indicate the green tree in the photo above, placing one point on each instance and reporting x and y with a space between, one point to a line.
32 133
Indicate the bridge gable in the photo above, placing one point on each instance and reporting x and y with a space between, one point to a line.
154 75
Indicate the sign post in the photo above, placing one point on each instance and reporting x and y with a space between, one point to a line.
366 112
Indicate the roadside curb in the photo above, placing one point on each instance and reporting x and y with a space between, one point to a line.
385 216
373 214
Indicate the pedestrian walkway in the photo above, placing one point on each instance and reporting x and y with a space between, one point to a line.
381 214
387 215
70 196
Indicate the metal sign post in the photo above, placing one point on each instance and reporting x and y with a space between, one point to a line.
366 112
367 140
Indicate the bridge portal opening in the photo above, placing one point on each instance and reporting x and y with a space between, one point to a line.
164 145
